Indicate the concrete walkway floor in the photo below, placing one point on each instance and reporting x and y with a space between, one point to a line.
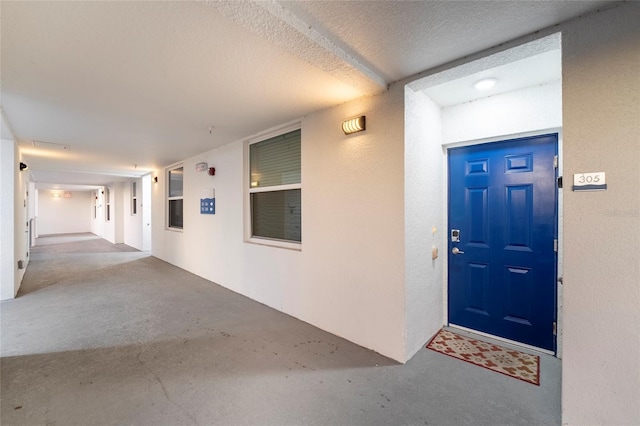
103 334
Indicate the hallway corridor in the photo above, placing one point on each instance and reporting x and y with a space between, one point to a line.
104 334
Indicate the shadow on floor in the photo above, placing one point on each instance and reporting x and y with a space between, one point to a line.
124 338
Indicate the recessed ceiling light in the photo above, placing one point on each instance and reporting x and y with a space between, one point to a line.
485 83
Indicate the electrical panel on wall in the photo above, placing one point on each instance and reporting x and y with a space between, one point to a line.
208 201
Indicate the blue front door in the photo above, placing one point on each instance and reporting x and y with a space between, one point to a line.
502 227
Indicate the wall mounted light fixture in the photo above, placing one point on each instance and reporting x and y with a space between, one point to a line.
155 179
23 166
354 125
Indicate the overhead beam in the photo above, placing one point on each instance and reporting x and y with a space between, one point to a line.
278 25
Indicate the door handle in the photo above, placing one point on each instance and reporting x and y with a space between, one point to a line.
456 250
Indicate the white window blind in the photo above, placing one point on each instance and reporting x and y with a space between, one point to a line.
175 199
134 198
175 182
107 196
276 161
275 188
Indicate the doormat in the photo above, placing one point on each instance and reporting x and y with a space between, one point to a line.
510 362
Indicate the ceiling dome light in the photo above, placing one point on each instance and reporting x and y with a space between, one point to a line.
485 84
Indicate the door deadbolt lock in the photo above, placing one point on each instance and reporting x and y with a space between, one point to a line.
455 235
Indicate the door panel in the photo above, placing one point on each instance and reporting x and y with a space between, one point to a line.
503 199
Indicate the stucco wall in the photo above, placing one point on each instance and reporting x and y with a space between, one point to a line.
132 224
97 222
348 277
424 220
64 215
601 109
532 108
21 218
113 230
7 223
353 223
14 216
601 368
430 129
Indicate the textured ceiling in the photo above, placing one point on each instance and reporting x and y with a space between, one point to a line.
400 39
131 86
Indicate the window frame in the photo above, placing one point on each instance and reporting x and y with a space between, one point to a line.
107 204
168 198
95 196
266 241
134 197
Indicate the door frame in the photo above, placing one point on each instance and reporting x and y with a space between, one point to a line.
560 257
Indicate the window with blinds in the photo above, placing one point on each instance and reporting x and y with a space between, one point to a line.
275 188
107 210
134 198
95 204
174 198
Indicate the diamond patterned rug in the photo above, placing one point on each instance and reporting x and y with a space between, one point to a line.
513 363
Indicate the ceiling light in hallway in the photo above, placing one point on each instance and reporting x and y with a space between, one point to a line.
485 83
